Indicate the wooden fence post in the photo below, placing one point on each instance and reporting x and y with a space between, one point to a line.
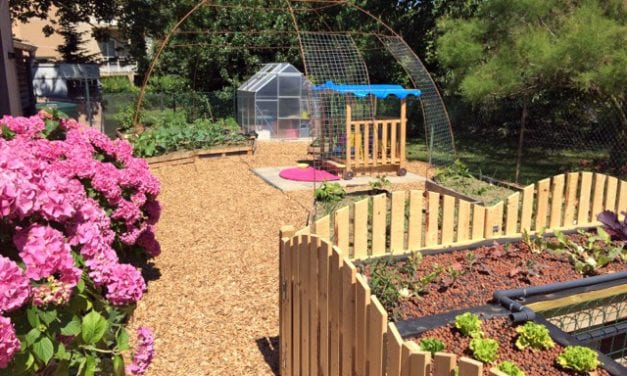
285 299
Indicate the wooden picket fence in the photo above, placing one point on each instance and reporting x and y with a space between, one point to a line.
419 220
330 324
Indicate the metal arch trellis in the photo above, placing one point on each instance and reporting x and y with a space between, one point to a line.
438 133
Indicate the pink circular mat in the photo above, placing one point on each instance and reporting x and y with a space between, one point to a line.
307 174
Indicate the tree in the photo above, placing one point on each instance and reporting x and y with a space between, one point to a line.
519 50
71 50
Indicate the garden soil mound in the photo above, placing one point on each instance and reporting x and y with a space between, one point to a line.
214 307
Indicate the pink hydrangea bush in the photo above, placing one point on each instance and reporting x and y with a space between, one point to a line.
77 223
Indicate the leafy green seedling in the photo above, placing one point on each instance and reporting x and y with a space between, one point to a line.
329 192
484 349
469 325
432 345
579 359
510 369
535 336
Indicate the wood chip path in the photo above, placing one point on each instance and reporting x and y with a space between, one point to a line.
214 308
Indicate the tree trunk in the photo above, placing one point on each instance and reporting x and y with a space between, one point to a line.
523 123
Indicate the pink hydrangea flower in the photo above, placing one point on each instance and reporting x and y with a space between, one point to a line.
9 344
14 286
125 284
144 352
52 292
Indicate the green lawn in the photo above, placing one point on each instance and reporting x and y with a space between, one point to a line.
498 159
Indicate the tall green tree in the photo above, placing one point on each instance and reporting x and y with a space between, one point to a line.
517 50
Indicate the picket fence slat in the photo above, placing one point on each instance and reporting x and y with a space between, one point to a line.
377 330
348 316
322 227
493 221
557 199
583 214
312 286
598 195
395 346
470 367
463 220
397 225
420 363
305 290
448 219
378 224
414 230
433 211
511 221
622 200
296 314
341 228
610 196
478 220
362 305
443 364
334 311
527 208
360 244
542 204
324 264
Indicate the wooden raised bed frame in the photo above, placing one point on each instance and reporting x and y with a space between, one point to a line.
331 324
190 155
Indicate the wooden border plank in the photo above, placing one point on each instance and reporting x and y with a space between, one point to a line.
470 367
305 301
296 311
443 364
379 213
448 219
335 300
394 351
397 225
360 229
362 305
598 196
377 329
433 213
324 265
347 315
493 226
527 208
314 324
322 227
621 206
463 220
420 363
557 201
610 195
341 229
478 220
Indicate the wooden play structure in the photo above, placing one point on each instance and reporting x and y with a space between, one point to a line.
359 142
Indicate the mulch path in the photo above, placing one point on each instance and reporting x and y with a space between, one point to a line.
213 304
539 363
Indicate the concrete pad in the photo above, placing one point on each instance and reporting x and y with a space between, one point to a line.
271 176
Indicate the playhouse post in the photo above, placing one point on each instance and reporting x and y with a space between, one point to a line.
349 118
403 132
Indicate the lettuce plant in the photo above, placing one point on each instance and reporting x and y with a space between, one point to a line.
510 369
432 345
579 359
617 229
468 324
596 252
77 217
533 335
484 349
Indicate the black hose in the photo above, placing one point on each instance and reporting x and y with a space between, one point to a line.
520 313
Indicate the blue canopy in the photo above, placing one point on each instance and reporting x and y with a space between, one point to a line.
360 91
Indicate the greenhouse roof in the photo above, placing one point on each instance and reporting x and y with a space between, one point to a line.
266 74
380 90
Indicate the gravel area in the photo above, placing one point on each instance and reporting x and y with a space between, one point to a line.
213 303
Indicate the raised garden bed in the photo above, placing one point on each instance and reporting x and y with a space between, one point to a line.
190 155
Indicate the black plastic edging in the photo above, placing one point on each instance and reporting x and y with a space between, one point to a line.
602 333
520 313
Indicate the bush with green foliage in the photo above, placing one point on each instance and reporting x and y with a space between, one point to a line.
594 253
118 84
468 324
432 345
533 335
329 192
579 359
510 369
484 349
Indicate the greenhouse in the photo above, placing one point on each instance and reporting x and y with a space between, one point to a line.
272 104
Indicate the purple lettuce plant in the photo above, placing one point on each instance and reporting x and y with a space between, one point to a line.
614 227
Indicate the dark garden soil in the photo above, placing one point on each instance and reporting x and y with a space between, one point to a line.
539 363
481 272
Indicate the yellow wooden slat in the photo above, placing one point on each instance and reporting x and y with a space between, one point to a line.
571 202
322 227
470 367
414 230
377 329
527 208
349 119
285 286
347 324
312 284
420 363
384 142
358 146
393 144
367 158
379 213
448 219
478 220
375 143
493 226
610 194
324 264
463 220
542 204
621 206
433 205
296 311
362 303
443 364
342 229
403 135
335 299
397 225
511 221
305 290
583 214
598 196
360 243
394 348
557 200
406 351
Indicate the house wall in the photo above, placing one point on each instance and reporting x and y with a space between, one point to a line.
9 88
